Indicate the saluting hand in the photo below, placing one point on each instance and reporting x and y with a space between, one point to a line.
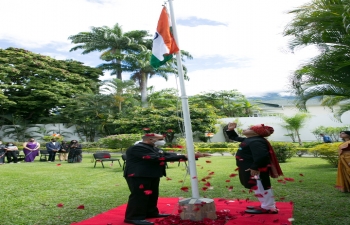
231 126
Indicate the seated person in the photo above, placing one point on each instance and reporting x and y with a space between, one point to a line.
2 153
11 153
75 152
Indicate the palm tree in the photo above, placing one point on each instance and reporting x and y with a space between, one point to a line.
295 123
325 24
121 91
112 42
139 65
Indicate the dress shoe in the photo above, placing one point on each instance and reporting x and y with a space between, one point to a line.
253 207
261 211
138 222
159 216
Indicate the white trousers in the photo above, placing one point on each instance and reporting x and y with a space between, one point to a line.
267 200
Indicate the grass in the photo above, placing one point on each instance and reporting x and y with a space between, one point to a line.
31 191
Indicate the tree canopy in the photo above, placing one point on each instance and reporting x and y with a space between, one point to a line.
324 24
35 86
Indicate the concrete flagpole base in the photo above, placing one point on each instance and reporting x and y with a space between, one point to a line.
197 209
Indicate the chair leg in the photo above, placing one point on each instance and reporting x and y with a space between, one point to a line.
119 163
95 163
102 164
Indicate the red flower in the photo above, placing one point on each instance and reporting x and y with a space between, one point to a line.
208 161
141 186
60 205
81 207
185 189
233 174
289 179
148 192
254 188
146 157
207 184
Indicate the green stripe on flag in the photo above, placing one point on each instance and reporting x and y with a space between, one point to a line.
155 63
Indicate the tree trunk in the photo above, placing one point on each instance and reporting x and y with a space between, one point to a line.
143 87
298 135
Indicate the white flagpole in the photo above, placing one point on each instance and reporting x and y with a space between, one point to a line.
186 112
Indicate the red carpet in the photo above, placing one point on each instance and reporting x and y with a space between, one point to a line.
169 205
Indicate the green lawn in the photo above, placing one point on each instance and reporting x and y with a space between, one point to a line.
31 191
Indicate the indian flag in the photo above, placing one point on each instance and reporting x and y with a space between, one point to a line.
164 44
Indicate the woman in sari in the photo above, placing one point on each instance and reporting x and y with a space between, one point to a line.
31 150
75 152
343 175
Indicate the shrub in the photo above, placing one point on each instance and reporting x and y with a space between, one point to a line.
119 141
328 152
301 151
283 150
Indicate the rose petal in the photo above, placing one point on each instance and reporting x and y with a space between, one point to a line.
81 207
148 192
60 205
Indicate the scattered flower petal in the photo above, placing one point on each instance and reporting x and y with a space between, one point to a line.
148 192
60 205
146 157
81 207
185 189
208 161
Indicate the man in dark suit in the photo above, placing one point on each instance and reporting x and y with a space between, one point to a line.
145 165
52 148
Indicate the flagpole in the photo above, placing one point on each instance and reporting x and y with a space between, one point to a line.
186 112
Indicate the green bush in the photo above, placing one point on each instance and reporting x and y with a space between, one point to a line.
283 150
119 141
301 151
328 151
311 144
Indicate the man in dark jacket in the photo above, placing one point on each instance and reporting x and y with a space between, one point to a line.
256 162
145 165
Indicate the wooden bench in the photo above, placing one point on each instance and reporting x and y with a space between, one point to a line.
103 157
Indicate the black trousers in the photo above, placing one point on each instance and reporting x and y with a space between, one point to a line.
11 156
52 155
142 205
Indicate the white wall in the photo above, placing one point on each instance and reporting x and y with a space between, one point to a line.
324 118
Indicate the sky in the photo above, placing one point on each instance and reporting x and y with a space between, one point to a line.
236 44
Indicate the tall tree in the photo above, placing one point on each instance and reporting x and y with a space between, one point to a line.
324 24
112 42
142 71
37 86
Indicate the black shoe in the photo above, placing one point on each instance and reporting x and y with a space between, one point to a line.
253 207
261 211
159 216
138 222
